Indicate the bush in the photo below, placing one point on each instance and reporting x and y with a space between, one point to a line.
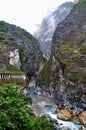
13 112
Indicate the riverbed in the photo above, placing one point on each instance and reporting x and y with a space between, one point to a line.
46 106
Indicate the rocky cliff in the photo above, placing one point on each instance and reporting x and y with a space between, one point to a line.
18 49
66 70
47 27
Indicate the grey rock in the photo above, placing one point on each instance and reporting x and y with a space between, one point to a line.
27 46
47 27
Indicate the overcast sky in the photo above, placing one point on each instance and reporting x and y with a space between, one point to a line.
27 13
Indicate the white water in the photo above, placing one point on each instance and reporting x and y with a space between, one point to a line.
67 124
50 112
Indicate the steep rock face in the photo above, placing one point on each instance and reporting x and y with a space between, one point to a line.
4 56
14 58
18 48
69 49
48 25
67 65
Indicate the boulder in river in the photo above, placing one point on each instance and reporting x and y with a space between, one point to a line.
82 118
64 114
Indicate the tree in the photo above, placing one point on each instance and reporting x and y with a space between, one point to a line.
13 112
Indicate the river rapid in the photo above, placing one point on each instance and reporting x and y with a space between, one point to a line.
46 106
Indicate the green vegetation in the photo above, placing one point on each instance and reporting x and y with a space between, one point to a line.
82 49
1 45
66 48
15 31
3 27
12 68
80 4
19 82
21 54
45 74
65 55
14 115
24 34
5 39
78 76
68 56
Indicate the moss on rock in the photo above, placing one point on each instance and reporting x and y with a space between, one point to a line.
45 74
78 76
82 49
80 4
65 55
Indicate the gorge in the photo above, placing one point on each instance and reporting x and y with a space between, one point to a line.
63 77
65 73
54 65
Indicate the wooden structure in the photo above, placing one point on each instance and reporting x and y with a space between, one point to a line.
9 75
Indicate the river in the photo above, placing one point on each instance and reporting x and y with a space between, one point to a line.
46 106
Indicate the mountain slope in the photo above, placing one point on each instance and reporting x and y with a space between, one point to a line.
18 48
48 25
67 66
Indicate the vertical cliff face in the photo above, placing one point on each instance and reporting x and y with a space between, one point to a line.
18 48
67 65
69 49
48 25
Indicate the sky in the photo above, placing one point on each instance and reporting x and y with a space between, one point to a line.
27 14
